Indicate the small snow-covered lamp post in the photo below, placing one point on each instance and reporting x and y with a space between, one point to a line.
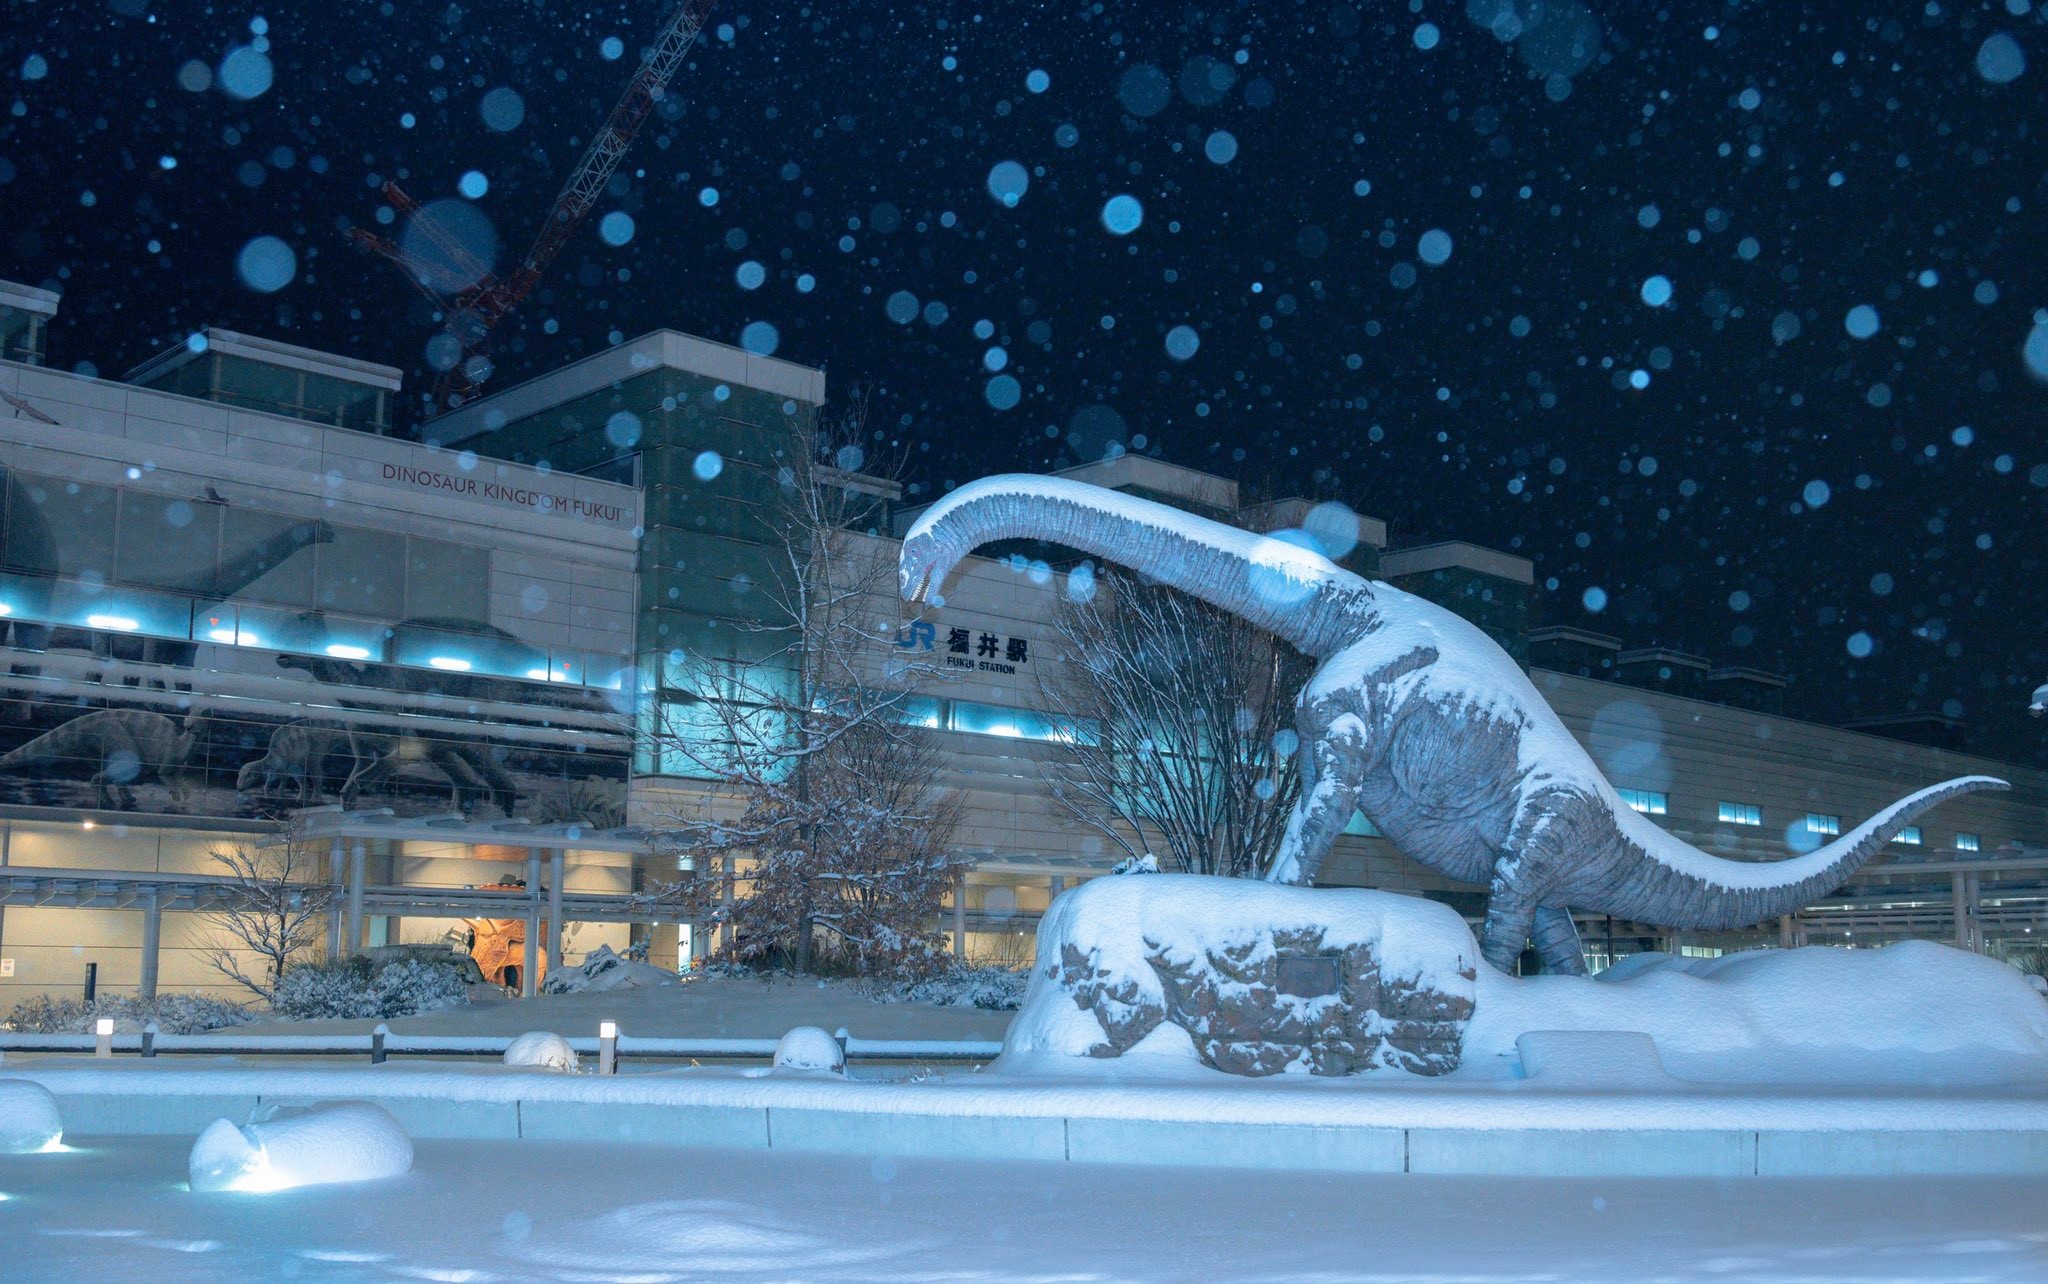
608 1047
103 1030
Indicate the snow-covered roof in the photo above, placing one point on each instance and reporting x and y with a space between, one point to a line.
1424 558
289 356
28 298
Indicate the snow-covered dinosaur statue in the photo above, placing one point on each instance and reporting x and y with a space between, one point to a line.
2039 707
1416 718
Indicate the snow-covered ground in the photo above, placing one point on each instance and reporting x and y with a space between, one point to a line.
715 1007
475 1211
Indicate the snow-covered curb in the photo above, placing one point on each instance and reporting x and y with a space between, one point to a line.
1387 1102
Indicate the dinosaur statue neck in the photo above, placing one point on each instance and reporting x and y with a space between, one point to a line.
1299 595
246 567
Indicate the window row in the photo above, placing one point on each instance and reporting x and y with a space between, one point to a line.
1653 802
205 548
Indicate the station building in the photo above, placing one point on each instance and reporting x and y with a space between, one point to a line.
231 598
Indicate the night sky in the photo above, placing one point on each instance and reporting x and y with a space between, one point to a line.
1744 469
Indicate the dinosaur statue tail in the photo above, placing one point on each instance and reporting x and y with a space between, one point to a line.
1275 585
1711 893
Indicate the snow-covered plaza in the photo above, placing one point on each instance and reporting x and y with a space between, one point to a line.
479 1211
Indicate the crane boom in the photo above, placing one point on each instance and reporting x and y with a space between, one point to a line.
474 312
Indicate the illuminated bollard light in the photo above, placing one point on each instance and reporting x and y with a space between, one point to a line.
103 1030
608 1047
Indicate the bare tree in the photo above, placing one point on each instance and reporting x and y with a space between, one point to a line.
825 813
279 903
1183 727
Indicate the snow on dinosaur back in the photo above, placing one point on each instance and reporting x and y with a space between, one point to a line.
1416 718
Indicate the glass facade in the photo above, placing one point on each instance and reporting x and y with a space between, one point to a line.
706 453
279 390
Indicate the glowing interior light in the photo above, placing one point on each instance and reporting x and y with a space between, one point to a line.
607 1029
449 663
5 610
103 1026
1001 730
540 675
121 623
343 651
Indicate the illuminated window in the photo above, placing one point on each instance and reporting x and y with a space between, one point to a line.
1821 823
1017 724
1358 824
1731 813
1910 836
1968 842
1650 802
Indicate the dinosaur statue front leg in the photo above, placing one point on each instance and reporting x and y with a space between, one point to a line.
1557 942
1331 763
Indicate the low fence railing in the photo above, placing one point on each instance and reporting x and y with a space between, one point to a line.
380 1045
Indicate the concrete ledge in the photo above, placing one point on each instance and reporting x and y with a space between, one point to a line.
1862 1154
106 1114
939 1136
1582 1153
731 1126
1150 1141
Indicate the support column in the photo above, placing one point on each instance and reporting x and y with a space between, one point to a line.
354 930
1787 932
6 846
336 877
556 861
531 960
152 942
1959 908
960 914
1975 891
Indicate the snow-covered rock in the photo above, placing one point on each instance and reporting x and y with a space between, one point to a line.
601 970
1260 977
2039 707
1185 971
29 1118
809 1048
542 1050
338 1141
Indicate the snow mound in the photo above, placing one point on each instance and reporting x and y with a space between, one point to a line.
1605 1059
603 970
717 1238
543 1050
2040 705
29 1118
340 1141
1914 1012
809 1048
1261 977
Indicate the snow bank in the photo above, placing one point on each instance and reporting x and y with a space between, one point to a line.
1261 977
603 970
809 1048
29 1119
1914 1012
541 1049
337 1141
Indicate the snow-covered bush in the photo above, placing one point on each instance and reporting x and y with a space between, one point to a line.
995 989
541 1050
331 1142
602 969
172 1013
809 1048
29 1120
358 988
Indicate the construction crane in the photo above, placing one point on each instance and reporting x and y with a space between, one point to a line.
471 313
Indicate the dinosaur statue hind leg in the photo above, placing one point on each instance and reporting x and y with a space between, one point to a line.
1510 917
1557 942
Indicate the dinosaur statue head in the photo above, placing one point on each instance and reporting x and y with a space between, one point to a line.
921 567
